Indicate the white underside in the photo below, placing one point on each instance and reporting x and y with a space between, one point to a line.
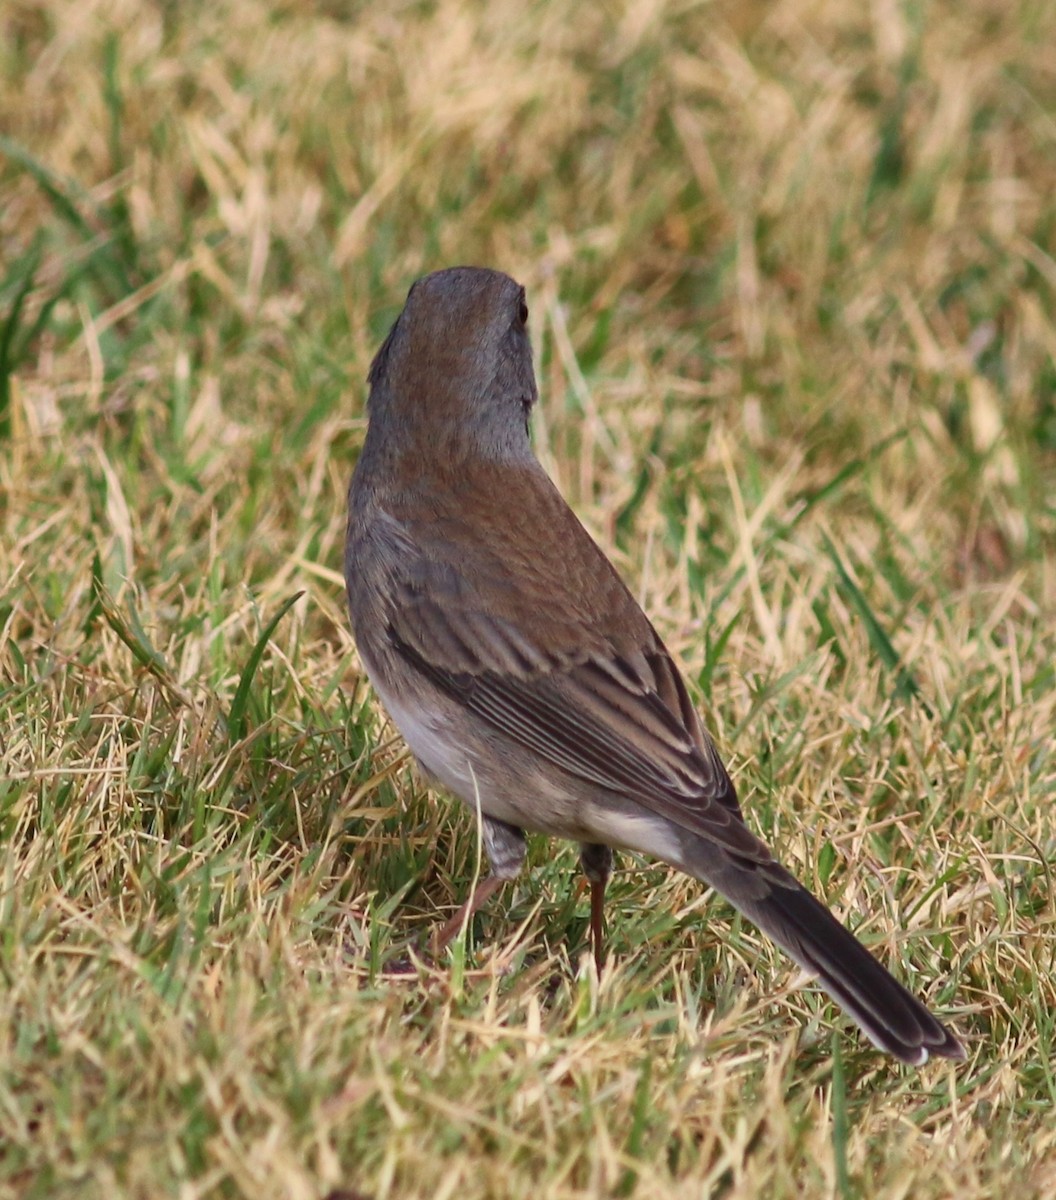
544 805
430 745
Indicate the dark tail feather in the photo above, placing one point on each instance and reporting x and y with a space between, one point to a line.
891 1017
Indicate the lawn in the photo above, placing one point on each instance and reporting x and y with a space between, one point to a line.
792 277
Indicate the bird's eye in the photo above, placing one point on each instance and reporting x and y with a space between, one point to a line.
523 313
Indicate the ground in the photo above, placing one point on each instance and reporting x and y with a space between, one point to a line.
792 277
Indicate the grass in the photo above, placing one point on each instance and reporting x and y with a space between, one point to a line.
793 291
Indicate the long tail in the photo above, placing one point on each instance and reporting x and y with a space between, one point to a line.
891 1017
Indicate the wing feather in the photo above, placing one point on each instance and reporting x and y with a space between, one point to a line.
625 726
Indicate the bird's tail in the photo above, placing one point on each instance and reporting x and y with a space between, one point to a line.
890 1016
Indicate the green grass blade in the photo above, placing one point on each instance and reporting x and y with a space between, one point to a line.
906 687
236 720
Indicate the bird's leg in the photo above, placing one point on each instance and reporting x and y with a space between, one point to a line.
504 848
596 861
476 899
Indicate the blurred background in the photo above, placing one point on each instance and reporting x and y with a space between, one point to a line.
792 276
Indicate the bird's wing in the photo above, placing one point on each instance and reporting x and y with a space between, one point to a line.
621 721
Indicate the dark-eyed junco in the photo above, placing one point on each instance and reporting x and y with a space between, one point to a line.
519 668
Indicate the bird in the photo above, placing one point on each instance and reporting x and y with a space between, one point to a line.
518 667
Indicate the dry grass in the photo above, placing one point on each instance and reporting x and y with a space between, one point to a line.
792 271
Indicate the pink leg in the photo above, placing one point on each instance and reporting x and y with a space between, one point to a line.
480 895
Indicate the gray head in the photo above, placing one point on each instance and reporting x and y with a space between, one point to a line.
454 376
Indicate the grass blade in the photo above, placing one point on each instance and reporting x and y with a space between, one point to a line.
236 721
906 687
